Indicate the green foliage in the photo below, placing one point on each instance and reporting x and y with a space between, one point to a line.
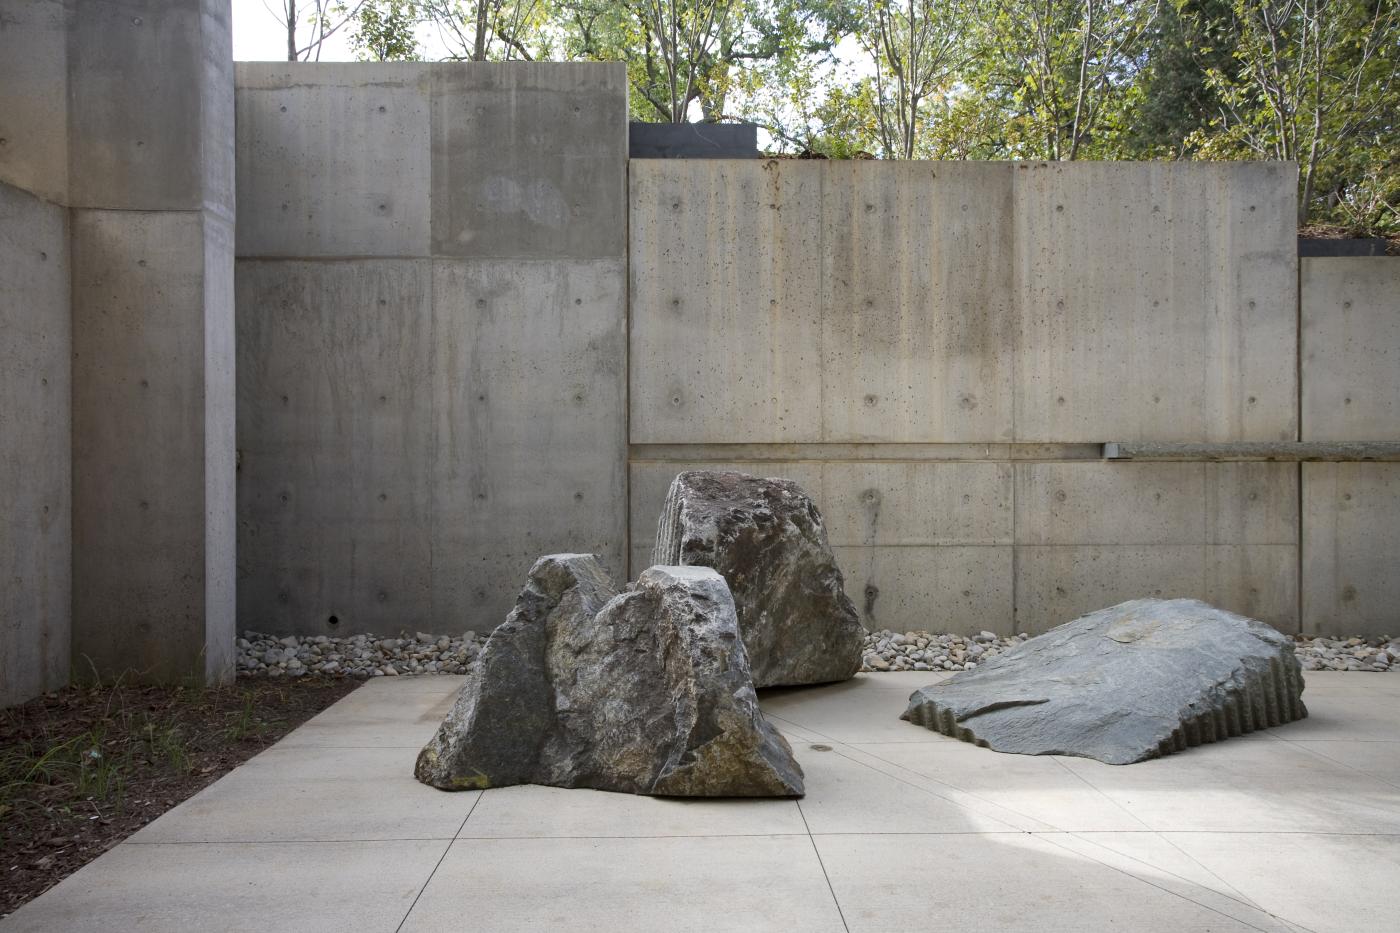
1313 81
384 31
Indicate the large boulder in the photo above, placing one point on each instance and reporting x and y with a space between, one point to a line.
1139 680
766 538
646 691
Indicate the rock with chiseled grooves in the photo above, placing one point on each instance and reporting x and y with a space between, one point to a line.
646 691
766 538
1139 680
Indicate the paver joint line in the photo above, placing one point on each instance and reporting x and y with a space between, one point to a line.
438 863
1177 894
818 852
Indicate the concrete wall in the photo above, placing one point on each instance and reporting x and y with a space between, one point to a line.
431 337
1351 391
437 302
117 290
935 350
151 183
34 460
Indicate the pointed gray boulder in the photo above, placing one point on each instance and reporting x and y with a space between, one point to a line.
766 538
646 691
1139 680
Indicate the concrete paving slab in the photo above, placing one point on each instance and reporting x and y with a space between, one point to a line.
677 884
406 722
316 795
1322 882
1006 883
1037 787
307 887
848 712
1380 760
1148 853
1348 706
531 812
900 830
1154 859
847 794
1254 783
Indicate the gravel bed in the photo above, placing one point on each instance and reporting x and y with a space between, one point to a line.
366 656
928 651
359 656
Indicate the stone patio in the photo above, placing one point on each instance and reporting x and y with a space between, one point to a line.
1296 828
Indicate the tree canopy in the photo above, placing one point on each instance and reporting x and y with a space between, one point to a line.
1312 81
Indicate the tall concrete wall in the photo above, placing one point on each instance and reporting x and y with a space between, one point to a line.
1351 391
118 312
936 350
35 348
151 182
431 337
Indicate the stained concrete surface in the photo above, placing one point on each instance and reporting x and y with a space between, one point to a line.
1294 828
1351 536
1351 349
152 535
34 97
1008 546
35 434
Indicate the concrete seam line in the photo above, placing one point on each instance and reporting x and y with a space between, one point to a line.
446 849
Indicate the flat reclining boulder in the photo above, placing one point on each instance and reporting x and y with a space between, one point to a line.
1139 680
645 691
766 538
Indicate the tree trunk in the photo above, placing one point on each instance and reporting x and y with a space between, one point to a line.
479 52
291 30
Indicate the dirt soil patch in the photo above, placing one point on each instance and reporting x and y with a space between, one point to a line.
83 768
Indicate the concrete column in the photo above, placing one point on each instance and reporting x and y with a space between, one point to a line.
150 115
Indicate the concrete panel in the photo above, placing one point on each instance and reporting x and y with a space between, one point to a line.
916 300
1099 503
141 529
917 503
649 481
335 437
217 131
1256 580
725 301
1351 349
1055 584
939 589
1156 301
530 453
136 95
35 347
1251 503
333 160
1351 548
529 159
34 96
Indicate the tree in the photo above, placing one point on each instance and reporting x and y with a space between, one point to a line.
916 46
1061 70
324 17
486 29
1316 84
384 31
1175 97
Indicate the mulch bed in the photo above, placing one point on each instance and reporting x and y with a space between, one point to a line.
83 768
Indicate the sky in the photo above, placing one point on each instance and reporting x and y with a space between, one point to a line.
259 36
